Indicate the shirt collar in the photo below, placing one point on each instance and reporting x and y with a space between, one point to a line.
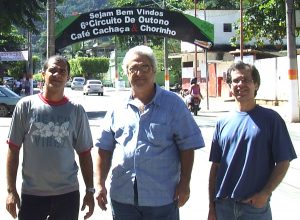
155 100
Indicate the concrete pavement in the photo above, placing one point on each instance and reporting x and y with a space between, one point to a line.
285 199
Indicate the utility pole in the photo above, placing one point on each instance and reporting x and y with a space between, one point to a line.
167 76
292 57
206 65
29 63
241 31
196 50
51 4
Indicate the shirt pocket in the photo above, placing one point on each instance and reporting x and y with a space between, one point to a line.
158 135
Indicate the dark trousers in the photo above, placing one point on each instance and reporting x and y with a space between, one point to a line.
60 207
123 211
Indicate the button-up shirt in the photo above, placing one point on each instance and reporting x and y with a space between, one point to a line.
146 147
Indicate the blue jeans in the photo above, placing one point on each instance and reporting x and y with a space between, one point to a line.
60 207
121 211
229 209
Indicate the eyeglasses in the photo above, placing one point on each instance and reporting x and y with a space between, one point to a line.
242 80
142 69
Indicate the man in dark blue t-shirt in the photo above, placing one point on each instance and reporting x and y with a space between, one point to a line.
250 153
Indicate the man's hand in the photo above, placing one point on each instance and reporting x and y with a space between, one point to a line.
102 198
88 200
12 201
182 194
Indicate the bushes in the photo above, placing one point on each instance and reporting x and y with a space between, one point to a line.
89 67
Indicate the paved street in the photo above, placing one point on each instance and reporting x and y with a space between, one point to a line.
285 200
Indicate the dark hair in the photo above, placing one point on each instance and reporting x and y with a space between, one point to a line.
57 58
240 65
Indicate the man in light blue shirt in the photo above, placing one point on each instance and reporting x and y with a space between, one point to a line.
152 136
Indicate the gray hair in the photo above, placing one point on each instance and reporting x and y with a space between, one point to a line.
141 50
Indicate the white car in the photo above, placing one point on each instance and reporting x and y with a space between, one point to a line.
93 86
77 83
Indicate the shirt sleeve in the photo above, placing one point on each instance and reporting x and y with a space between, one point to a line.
17 127
106 140
282 145
187 133
84 140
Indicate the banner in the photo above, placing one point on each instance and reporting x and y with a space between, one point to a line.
14 56
133 21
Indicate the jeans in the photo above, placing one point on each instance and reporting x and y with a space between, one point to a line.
122 211
60 207
229 209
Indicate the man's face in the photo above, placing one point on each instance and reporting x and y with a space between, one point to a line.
242 86
56 75
140 72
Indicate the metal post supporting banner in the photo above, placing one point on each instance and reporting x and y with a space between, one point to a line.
293 101
51 4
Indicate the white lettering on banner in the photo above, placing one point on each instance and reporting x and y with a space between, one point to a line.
150 12
110 29
81 35
101 15
114 22
128 19
123 12
160 30
97 23
14 56
152 20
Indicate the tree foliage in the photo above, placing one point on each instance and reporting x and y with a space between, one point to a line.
89 67
264 20
11 40
20 13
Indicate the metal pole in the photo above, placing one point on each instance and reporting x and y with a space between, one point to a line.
50 27
30 65
167 76
196 52
241 31
206 66
292 57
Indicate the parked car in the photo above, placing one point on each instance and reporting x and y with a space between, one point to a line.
8 101
77 83
93 86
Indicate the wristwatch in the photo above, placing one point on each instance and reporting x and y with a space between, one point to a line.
90 190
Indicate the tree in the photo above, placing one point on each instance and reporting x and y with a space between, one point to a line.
11 40
20 13
88 67
264 20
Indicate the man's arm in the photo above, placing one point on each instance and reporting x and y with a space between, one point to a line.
182 192
259 199
12 165
212 190
103 167
86 166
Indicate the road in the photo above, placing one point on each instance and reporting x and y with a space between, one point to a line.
285 199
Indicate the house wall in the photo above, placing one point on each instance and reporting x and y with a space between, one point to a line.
275 85
220 17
